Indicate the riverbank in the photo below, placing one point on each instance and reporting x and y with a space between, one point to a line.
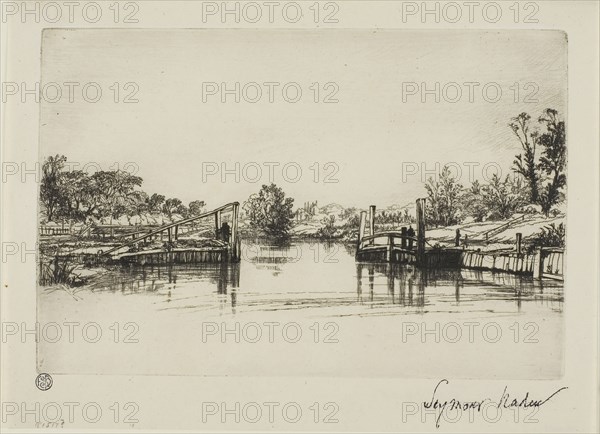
78 255
495 235
488 235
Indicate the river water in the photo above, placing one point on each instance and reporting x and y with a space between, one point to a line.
306 309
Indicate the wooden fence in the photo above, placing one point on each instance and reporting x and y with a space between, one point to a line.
543 263
52 230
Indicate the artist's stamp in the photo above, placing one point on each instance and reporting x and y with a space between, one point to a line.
44 381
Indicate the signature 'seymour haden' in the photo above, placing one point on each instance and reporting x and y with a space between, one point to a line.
505 401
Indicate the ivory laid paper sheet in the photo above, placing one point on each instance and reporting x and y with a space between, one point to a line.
268 211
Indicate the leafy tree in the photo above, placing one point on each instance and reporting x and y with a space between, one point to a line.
110 192
138 205
196 207
74 188
155 203
553 159
182 210
172 206
473 204
51 194
525 163
270 211
502 198
443 199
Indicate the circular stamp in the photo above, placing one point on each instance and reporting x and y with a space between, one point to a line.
43 381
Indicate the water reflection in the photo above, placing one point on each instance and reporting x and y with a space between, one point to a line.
407 285
307 277
166 279
400 282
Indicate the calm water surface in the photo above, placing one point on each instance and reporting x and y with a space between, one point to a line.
319 278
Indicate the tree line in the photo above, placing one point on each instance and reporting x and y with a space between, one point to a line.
77 196
538 178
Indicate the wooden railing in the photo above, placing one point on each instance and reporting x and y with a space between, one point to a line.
502 227
234 242
389 239
415 241
552 262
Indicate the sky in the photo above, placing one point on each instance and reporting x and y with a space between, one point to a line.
371 144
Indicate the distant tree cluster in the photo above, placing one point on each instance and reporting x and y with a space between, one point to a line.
394 217
76 196
308 211
539 178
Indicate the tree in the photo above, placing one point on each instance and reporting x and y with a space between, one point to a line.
182 210
138 205
473 203
270 211
407 218
110 192
155 203
75 188
444 199
196 207
171 206
553 159
524 164
51 194
501 198
328 229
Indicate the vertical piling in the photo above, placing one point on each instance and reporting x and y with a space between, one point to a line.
457 238
518 242
372 220
217 224
234 254
421 231
361 227
537 266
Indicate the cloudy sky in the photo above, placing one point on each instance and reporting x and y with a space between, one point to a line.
374 137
